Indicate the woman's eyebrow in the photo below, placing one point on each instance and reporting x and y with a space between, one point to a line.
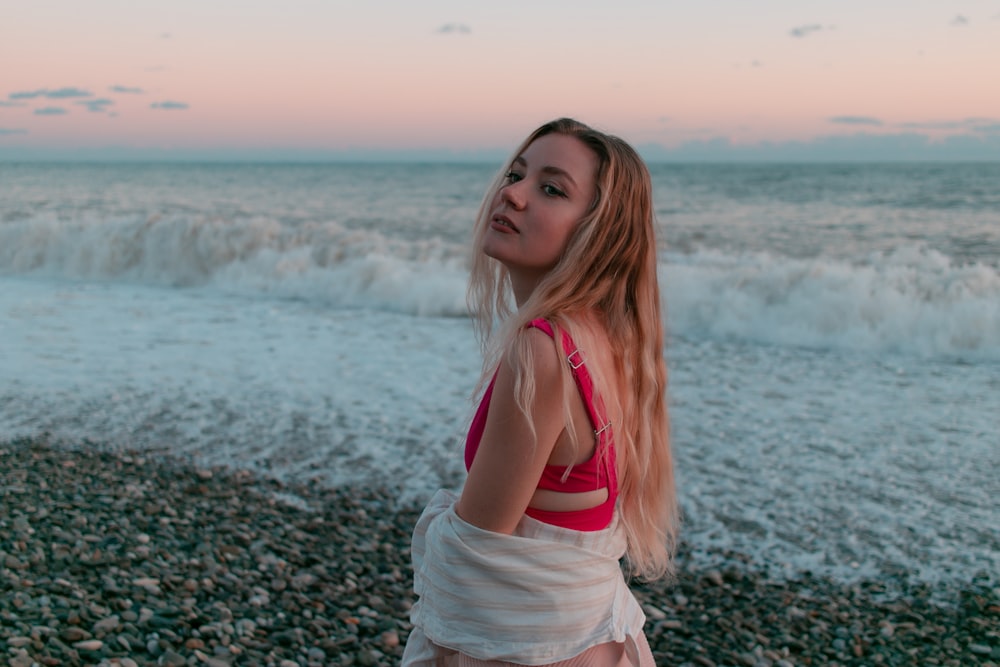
548 169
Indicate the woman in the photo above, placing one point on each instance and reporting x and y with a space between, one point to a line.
568 456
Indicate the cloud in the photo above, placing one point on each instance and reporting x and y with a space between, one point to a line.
63 93
805 30
7 131
5 103
26 94
57 94
50 111
959 21
98 106
169 105
127 89
454 29
855 120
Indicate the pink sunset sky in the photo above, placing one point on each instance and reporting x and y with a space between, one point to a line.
321 79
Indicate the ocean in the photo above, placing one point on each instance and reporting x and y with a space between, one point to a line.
833 348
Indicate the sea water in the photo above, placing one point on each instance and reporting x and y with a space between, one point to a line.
834 339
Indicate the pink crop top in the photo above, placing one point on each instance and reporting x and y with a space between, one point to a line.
597 472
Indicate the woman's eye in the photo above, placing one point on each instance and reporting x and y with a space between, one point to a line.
552 191
513 177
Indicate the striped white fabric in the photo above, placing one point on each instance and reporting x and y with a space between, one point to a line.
542 595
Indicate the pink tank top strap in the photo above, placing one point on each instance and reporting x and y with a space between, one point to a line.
599 471
593 403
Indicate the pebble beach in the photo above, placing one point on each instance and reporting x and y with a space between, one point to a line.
112 557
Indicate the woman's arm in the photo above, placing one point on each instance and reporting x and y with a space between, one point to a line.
510 460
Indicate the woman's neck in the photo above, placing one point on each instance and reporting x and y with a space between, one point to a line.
523 287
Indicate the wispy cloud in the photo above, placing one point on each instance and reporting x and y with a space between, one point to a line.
169 105
63 93
57 94
127 89
959 21
97 106
50 111
454 29
26 94
7 131
5 103
806 30
856 120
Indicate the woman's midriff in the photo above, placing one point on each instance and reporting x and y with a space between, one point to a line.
558 501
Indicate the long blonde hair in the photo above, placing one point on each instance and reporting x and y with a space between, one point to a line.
608 270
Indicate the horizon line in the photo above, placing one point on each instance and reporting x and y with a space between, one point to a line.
854 148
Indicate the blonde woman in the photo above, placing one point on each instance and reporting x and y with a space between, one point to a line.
568 457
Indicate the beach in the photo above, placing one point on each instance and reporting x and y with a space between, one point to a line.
112 557
226 390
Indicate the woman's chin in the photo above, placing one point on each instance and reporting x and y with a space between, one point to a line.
491 251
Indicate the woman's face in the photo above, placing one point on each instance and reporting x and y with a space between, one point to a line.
549 188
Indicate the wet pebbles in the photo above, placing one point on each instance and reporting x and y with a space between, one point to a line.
134 559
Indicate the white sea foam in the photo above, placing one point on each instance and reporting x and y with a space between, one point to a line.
326 263
912 300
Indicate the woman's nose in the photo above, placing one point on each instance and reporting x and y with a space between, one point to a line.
512 194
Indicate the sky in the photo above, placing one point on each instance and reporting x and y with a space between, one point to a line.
447 79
